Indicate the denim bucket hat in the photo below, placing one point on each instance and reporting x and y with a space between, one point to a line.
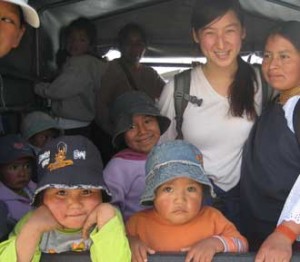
170 160
70 162
129 104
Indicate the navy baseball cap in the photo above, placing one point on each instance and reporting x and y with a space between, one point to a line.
70 162
14 147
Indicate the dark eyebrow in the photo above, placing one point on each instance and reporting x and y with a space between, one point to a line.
235 24
232 25
280 52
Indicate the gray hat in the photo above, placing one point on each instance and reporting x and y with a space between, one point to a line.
170 160
36 122
14 147
30 15
129 104
70 162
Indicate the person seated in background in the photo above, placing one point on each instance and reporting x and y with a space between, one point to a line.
138 125
72 92
38 128
124 74
71 211
15 14
16 188
176 186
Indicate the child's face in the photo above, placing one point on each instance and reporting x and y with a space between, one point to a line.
178 201
71 207
78 43
144 133
17 174
40 139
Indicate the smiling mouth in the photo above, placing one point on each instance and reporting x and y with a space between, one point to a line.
146 139
222 54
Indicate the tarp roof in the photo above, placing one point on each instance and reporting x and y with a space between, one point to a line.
166 22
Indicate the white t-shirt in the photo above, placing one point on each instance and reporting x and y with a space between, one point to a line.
218 135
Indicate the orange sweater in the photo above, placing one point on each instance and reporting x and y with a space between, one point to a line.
160 235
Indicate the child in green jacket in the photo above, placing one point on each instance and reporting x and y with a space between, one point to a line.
70 200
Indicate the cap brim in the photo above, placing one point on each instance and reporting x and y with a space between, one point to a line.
106 195
28 133
71 177
170 172
15 156
30 14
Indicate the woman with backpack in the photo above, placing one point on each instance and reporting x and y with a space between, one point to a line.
224 99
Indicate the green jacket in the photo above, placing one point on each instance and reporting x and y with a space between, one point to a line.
108 244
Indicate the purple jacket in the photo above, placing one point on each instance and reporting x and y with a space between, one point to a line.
17 205
125 177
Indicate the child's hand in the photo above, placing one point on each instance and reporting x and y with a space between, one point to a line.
42 220
276 247
203 250
139 249
99 216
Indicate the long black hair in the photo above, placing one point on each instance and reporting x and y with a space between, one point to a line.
290 30
242 89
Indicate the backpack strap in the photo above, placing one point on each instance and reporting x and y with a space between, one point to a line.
182 82
296 121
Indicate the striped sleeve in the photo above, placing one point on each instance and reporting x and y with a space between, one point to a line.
233 244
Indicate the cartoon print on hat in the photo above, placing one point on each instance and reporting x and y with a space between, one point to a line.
71 162
60 158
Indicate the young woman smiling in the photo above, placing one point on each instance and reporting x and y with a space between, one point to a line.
232 98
